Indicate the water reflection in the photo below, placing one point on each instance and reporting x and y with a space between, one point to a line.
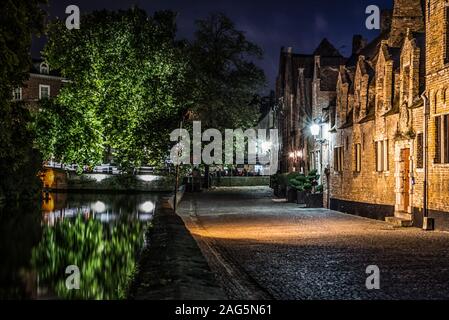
101 234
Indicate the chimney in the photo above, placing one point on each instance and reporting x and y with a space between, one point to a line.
386 16
358 43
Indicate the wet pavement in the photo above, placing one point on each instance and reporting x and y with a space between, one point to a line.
263 248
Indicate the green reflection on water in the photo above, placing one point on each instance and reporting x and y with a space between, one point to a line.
105 255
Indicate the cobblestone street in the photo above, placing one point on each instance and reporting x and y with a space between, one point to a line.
260 247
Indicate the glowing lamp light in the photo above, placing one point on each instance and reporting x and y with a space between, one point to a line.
266 146
147 178
99 207
292 155
100 177
147 207
315 130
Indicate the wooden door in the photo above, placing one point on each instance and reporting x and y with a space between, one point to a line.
405 157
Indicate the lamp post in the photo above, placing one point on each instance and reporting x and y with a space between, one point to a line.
316 131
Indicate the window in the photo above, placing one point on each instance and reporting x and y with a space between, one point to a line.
17 94
315 160
44 91
44 68
357 157
442 139
338 159
382 156
420 151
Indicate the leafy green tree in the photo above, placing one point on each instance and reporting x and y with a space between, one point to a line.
226 80
19 160
127 77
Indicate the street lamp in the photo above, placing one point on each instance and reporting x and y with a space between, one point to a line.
266 146
315 130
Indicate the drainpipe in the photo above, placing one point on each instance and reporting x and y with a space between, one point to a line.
428 224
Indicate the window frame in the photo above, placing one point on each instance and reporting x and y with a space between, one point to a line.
382 156
339 158
357 157
41 86
20 94
441 139
44 66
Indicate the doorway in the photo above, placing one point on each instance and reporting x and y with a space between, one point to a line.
405 183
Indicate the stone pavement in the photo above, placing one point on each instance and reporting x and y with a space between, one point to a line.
261 248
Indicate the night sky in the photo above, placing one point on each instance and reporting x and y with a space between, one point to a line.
271 24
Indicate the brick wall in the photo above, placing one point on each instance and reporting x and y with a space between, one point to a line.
387 107
437 82
30 90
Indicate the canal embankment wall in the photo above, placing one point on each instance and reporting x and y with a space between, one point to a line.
57 180
172 266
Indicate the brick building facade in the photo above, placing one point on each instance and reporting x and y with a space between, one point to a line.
43 82
384 119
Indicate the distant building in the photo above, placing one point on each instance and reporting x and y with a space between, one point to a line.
306 95
43 82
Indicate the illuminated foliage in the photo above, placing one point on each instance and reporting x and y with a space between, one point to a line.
126 76
104 254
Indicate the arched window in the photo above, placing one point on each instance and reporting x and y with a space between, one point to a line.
435 101
444 96
44 68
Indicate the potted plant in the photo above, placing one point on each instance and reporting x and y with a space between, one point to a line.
291 188
274 183
314 197
298 183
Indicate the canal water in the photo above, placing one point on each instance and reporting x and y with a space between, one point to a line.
43 245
